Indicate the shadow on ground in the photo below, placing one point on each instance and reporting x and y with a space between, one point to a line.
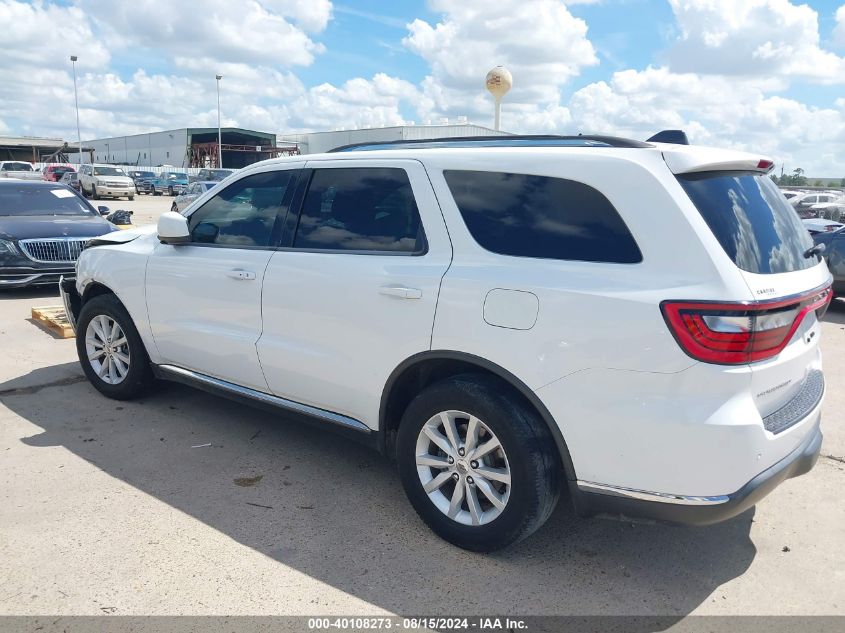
836 312
335 511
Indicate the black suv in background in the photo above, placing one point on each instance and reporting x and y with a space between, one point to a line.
43 229
141 180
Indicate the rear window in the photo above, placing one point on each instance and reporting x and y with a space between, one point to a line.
538 216
758 229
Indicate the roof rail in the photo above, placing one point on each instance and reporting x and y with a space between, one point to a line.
511 140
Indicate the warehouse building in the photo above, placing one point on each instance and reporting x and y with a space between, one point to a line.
36 149
318 142
189 147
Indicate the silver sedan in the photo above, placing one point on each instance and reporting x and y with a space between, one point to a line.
194 191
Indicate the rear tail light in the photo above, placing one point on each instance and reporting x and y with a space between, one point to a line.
740 333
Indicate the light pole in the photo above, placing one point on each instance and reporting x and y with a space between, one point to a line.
73 59
219 133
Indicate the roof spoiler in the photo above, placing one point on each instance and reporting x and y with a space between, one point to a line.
674 137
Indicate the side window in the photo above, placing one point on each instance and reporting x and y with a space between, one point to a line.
538 216
244 213
360 209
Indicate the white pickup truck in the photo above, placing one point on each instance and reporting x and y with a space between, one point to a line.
19 169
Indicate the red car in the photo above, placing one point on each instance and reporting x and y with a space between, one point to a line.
54 173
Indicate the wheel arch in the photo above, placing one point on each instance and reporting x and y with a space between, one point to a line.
425 368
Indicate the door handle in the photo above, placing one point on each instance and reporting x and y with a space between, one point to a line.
401 292
242 275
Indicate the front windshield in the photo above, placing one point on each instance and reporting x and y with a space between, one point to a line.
28 200
109 171
177 176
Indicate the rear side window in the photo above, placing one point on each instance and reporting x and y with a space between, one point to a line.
538 216
360 209
759 230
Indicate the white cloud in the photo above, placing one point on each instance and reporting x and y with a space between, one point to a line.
752 38
721 111
271 32
839 29
540 41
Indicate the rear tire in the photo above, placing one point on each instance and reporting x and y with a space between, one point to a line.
131 198
522 472
111 351
170 191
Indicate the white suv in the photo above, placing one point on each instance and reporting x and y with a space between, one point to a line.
633 323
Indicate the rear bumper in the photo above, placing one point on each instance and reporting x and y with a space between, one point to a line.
622 503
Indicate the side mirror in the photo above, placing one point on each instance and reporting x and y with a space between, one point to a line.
103 210
173 228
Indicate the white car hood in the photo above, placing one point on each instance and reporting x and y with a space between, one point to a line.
122 237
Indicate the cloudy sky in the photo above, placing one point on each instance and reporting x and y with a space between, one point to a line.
767 75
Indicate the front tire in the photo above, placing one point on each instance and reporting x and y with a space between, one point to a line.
477 463
110 349
174 208
131 198
170 191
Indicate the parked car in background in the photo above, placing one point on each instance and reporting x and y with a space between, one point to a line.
71 179
830 210
803 203
98 181
467 307
43 228
141 179
54 172
19 169
194 191
205 175
834 255
171 183
818 225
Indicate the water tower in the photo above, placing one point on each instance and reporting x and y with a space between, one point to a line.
499 82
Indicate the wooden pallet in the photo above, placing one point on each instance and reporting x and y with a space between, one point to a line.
53 318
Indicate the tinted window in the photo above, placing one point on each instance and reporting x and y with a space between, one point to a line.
34 200
538 216
242 214
17 167
362 209
758 229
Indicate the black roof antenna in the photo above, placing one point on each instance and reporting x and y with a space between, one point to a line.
675 137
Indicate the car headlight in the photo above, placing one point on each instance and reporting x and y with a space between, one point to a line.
7 247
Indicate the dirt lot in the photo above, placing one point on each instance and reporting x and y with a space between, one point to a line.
184 503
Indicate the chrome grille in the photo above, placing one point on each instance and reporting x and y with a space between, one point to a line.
58 249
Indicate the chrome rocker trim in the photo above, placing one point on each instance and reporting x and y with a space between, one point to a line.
645 495
178 374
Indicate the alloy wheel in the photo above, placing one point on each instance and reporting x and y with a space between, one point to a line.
107 349
463 468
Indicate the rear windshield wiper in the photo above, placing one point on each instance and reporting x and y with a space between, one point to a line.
818 249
